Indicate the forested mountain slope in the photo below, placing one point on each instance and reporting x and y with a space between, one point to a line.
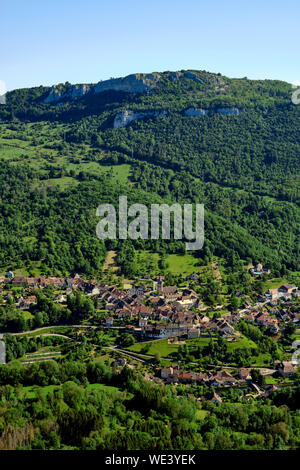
188 136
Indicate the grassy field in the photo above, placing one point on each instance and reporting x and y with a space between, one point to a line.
274 283
110 262
33 269
201 414
271 380
42 151
118 173
32 390
159 346
242 343
262 359
182 264
104 388
165 349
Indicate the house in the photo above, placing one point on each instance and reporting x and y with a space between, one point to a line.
123 313
244 374
271 389
234 318
9 274
109 321
193 333
226 328
25 303
220 325
176 375
222 378
130 328
93 290
110 306
286 369
170 293
287 289
214 398
203 319
272 294
60 299
31 299
166 372
142 322
165 331
188 300
19 281
258 270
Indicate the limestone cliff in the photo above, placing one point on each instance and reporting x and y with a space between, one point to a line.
58 93
196 112
125 117
230 111
136 83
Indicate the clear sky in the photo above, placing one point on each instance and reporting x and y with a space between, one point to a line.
51 41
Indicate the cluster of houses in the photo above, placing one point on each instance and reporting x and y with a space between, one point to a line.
170 311
263 319
191 324
284 292
24 304
223 378
272 317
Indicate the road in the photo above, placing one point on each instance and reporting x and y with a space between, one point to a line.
128 353
62 326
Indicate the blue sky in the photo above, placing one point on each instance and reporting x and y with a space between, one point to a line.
47 42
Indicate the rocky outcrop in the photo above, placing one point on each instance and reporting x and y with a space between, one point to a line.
124 118
203 112
230 111
192 76
174 76
58 93
196 112
136 83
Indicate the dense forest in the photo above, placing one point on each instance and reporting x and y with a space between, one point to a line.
69 411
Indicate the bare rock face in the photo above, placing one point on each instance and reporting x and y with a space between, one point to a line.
136 83
192 76
196 112
192 112
71 92
124 118
230 111
175 76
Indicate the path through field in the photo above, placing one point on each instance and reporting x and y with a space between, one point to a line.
110 262
216 271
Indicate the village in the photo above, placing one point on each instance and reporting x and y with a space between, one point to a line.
160 311
152 311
